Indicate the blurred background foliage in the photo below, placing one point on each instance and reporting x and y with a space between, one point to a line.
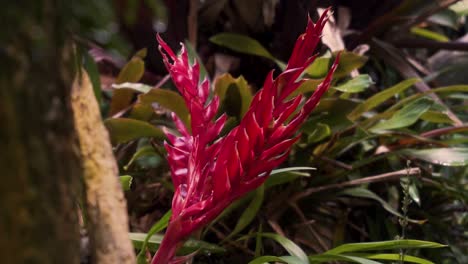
389 141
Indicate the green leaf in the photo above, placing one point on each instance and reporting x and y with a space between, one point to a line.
158 226
334 257
393 256
234 93
284 259
349 61
135 87
241 43
289 246
380 97
278 171
283 177
320 132
250 212
189 246
441 156
141 152
405 117
365 193
383 245
355 85
126 181
131 72
122 130
429 34
319 68
436 117
165 98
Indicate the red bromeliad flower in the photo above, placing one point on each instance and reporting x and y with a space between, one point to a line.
210 172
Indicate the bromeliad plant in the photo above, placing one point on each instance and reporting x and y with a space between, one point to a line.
210 172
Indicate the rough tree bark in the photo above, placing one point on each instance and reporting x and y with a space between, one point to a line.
106 207
39 160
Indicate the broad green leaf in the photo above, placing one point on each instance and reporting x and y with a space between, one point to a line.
234 93
393 256
135 87
319 68
250 212
436 117
326 258
406 116
167 99
441 156
189 246
429 34
392 109
380 97
365 193
126 181
158 226
141 152
289 246
131 72
383 245
241 43
355 85
349 61
274 259
122 130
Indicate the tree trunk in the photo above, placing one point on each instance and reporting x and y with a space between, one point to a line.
106 207
39 158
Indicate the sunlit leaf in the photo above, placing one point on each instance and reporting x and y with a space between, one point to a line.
441 156
126 181
436 117
326 258
136 87
355 85
349 61
429 34
383 245
380 97
394 256
289 246
406 116
122 130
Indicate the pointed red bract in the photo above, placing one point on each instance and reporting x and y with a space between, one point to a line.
210 172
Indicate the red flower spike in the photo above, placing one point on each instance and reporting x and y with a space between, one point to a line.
210 172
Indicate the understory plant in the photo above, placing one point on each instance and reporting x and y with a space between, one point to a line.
210 171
